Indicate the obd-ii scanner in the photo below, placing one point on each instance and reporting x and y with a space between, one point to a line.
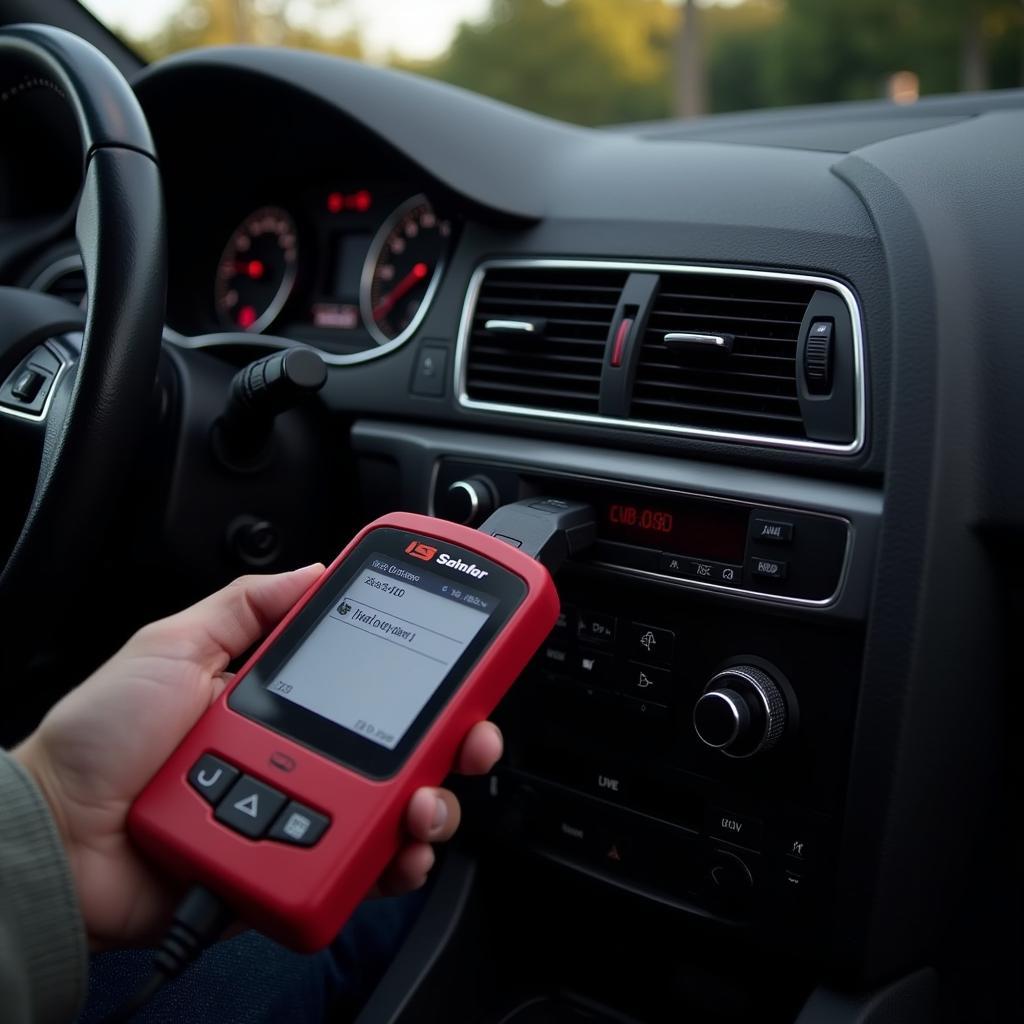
286 799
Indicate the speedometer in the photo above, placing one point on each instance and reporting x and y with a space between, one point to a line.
256 272
402 271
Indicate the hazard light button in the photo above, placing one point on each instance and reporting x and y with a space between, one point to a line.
249 807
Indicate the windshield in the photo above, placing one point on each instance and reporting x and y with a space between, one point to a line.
612 61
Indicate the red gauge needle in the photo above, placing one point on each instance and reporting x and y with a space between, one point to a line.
418 272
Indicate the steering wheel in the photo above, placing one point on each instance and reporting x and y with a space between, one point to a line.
74 396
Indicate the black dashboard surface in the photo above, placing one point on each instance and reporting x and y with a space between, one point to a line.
920 213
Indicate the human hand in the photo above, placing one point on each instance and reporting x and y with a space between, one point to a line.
97 748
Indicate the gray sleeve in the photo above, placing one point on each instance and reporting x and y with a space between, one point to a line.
43 956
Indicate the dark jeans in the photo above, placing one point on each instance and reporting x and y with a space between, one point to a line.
251 980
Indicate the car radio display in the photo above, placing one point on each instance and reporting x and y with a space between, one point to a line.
712 530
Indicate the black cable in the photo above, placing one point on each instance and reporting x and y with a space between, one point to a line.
199 920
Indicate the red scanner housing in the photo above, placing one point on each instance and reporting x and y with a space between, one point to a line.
301 896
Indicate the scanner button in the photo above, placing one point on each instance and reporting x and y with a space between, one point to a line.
249 807
299 825
211 777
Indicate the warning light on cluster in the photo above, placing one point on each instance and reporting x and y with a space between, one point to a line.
360 201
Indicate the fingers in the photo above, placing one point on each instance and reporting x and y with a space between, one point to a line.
481 749
433 815
229 622
408 871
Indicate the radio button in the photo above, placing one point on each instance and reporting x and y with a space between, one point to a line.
596 628
298 825
249 807
735 828
651 644
772 531
768 568
211 777
646 684
592 669
702 570
644 709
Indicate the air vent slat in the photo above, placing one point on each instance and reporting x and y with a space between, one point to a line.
560 368
753 388
795 419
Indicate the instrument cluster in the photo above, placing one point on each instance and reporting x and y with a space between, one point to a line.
348 268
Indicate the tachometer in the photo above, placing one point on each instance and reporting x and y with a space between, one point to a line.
257 269
402 270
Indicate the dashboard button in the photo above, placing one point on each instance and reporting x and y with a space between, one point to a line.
651 643
644 709
591 668
596 628
773 531
430 372
702 570
211 777
249 807
645 683
735 828
768 568
607 782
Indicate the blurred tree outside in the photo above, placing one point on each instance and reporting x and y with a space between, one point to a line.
614 61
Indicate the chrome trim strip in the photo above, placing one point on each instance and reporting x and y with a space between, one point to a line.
466 325
384 343
685 338
48 275
510 326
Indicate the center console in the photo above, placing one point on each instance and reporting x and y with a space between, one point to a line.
683 736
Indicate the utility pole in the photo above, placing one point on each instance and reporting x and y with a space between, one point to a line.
689 71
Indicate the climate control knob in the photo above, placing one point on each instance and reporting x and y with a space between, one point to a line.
741 712
469 501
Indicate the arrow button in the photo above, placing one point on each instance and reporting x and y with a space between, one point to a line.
249 807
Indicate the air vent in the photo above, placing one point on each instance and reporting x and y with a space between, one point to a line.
693 351
749 384
65 279
546 340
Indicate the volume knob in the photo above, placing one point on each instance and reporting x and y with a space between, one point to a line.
469 501
741 712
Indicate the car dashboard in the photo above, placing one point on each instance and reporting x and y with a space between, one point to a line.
780 356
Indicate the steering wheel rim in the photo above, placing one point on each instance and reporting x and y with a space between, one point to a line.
99 408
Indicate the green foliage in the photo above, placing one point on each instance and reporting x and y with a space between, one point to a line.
608 61
590 61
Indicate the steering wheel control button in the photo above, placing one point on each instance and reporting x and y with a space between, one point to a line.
651 644
298 825
211 777
772 531
768 568
27 388
645 683
596 628
249 807
27 385
735 828
430 373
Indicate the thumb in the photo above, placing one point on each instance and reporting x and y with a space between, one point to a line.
230 621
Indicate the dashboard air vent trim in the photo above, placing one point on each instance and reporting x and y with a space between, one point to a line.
645 426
